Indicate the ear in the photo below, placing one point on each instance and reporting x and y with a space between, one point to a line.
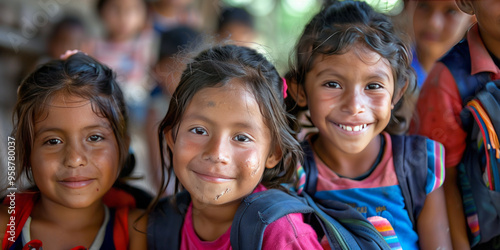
170 139
465 6
297 92
397 96
274 158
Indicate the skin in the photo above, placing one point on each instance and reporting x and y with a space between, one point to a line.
239 34
74 162
437 26
220 151
353 89
487 14
123 18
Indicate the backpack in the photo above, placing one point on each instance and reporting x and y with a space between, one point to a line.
344 226
410 163
478 171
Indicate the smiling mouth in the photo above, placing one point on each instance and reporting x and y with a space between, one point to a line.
352 128
76 182
213 178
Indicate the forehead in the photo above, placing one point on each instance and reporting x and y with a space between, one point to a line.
233 95
352 54
63 109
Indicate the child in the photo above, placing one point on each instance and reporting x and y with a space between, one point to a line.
437 26
227 137
236 25
353 72
128 49
441 102
173 44
71 141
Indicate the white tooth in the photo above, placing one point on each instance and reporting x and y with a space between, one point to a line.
348 128
356 128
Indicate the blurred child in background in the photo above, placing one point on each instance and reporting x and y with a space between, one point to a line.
173 47
236 25
437 26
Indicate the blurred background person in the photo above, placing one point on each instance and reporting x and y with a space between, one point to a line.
173 50
437 26
236 25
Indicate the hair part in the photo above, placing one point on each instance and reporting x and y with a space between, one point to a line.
81 76
340 26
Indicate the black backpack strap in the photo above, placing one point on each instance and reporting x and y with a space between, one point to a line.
257 211
458 61
310 169
165 222
410 163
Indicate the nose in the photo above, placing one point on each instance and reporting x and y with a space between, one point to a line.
217 151
75 155
354 102
436 21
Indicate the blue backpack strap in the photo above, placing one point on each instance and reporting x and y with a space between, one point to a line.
410 163
458 61
257 211
343 225
309 166
165 222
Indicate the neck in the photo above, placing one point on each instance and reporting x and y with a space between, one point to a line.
345 164
212 221
426 59
164 9
65 217
491 44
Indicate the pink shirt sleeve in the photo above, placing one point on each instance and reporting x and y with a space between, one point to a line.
290 232
438 113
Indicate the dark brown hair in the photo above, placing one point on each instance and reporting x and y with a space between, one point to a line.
216 67
79 75
341 25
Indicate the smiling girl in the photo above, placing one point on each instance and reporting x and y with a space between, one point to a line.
227 136
71 134
353 73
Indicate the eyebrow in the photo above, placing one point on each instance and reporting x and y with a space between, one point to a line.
90 127
374 74
205 119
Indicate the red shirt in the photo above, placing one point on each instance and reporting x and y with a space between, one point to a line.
439 103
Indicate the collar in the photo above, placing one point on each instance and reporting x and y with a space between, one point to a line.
481 60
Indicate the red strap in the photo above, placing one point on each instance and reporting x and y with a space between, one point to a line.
120 229
122 202
23 203
116 198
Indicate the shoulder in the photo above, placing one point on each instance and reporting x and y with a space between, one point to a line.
137 226
290 231
439 79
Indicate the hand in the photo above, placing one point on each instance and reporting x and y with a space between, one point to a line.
68 54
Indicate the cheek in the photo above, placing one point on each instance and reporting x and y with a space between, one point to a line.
382 106
250 162
107 160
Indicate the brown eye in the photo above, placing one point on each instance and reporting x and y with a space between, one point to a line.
95 138
242 138
334 85
373 86
53 142
198 131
